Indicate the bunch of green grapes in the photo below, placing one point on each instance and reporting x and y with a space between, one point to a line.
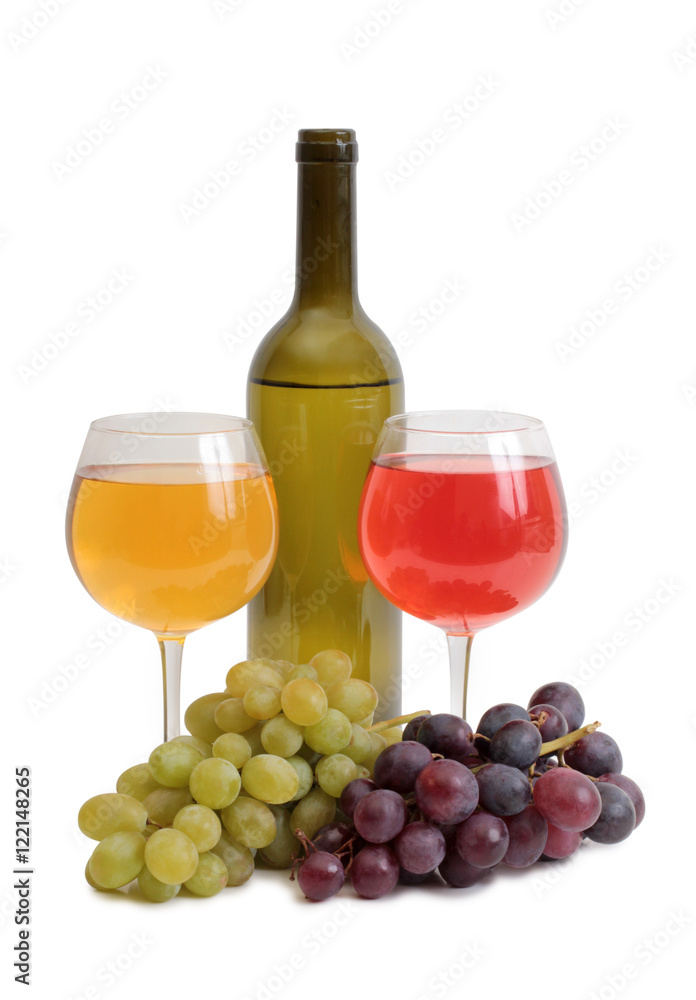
269 755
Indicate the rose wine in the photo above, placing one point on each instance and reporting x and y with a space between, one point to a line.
321 384
172 547
463 541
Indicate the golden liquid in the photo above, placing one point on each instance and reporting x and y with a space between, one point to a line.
172 547
318 443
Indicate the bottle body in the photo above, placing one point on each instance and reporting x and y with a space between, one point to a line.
320 387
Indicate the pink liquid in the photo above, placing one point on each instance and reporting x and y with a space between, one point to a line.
462 541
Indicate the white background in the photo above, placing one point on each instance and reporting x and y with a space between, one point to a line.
557 72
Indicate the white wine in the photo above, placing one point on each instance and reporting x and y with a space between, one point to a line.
321 384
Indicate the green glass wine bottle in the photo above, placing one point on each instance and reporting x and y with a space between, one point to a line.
321 384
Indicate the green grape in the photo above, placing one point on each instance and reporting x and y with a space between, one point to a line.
200 717
250 822
334 772
154 890
306 753
304 773
355 698
232 717
205 748
117 859
270 779
281 737
364 772
171 763
232 747
110 813
301 670
253 738
252 673
314 811
359 746
330 735
237 858
392 735
283 666
367 721
90 880
262 702
332 666
163 805
149 830
215 783
285 845
137 781
377 743
171 856
200 824
304 701
209 878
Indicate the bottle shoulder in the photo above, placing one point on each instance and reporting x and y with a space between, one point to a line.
315 346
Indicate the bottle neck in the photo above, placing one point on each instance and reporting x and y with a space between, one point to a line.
326 263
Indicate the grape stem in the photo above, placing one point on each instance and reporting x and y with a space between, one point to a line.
399 721
563 742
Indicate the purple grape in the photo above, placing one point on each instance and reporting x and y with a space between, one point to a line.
419 848
560 843
495 717
398 766
457 872
447 735
332 837
446 791
554 726
631 789
411 730
503 791
565 698
483 840
408 878
375 871
353 792
380 815
321 875
528 831
516 744
618 817
595 754
568 799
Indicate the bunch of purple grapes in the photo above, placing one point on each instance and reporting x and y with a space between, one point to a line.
450 803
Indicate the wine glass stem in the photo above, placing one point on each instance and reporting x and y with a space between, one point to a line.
459 656
171 650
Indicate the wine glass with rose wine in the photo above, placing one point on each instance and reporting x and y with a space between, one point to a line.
171 525
462 522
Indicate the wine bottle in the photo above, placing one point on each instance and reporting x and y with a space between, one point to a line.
321 384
